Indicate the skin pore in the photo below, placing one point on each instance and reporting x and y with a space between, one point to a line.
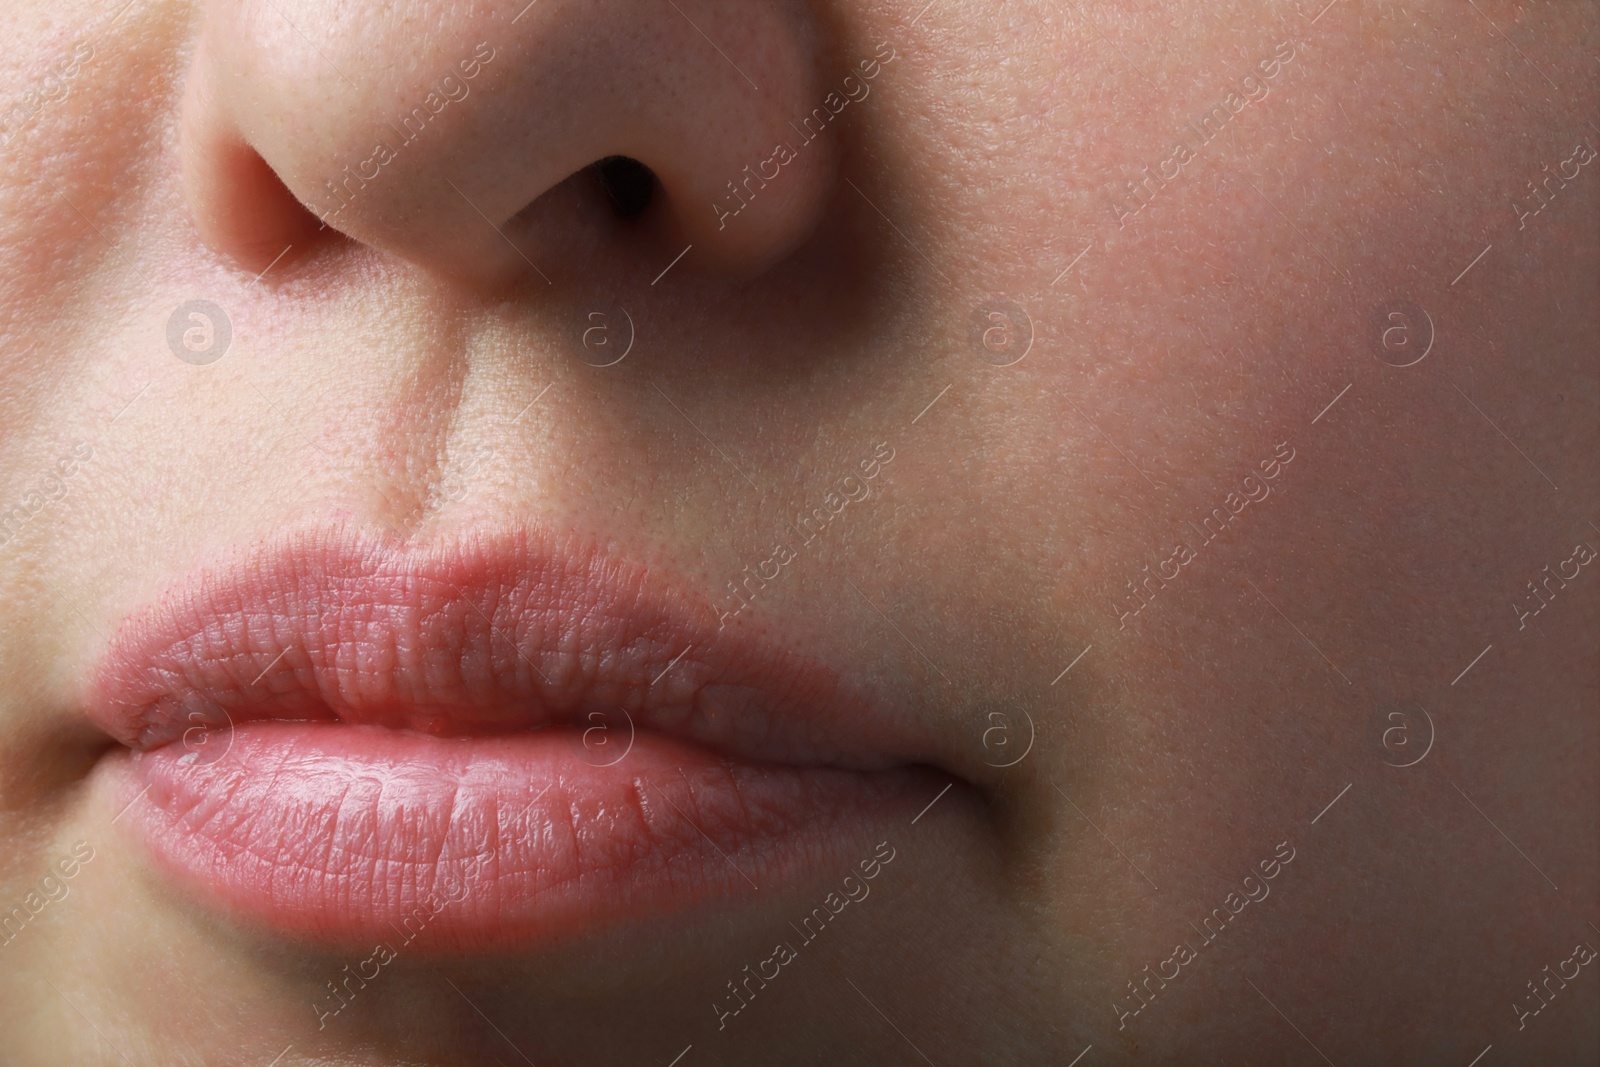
1184 414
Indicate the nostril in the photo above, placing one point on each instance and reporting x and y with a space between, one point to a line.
435 158
629 185
244 206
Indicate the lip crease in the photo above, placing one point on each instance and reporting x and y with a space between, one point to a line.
397 737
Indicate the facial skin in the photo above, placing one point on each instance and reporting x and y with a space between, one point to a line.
1093 275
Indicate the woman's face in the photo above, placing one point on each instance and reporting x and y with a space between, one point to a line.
1031 531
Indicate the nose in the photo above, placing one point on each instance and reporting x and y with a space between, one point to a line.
429 129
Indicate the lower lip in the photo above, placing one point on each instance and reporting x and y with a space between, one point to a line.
349 834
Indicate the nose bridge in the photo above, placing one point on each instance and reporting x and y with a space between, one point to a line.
423 132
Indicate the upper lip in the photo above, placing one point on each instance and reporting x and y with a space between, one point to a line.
488 633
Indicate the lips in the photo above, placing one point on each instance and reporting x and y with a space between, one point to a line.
494 742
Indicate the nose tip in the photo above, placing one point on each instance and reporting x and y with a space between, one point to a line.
429 132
